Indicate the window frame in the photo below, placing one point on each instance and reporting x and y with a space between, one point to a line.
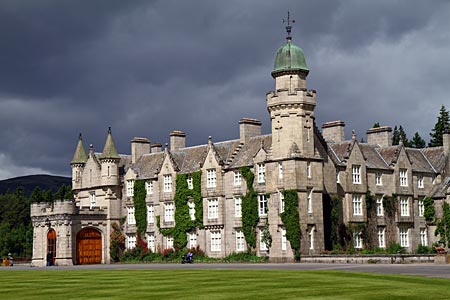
213 209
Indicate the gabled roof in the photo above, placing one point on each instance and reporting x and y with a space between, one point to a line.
341 151
436 157
419 161
390 154
373 158
149 165
248 151
79 157
441 190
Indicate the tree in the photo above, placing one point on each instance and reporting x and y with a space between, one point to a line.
402 136
417 141
376 125
395 136
442 124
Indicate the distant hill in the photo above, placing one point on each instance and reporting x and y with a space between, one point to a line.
28 183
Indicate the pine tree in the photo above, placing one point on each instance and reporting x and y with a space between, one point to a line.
402 136
417 141
395 136
442 124
376 125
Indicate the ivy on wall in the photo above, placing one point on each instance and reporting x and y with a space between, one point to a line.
250 217
291 220
140 207
443 226
429 212
117 244
183 222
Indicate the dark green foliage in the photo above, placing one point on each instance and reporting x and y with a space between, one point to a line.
140 207
242 257
395 136
429 211
250 217
376 125
417 141
390 205
442 124
117 245
395 248
291 220
29 183
183 222
336 210
443 226
37 196
266 236
424 249
63 193
402 136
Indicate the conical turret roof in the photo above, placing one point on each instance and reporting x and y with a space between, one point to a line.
109 151
79 157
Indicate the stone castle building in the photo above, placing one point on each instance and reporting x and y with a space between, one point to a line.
319 165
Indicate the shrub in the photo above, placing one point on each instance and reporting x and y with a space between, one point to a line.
395 248
424 250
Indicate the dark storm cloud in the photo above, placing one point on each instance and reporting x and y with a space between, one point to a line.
148 67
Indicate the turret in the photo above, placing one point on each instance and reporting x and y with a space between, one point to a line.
78 162
110 162
291 105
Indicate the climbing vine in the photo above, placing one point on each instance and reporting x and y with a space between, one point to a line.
140 207
117 244
291 220
266 237
429 212
443 226
250 217
183 222
390 205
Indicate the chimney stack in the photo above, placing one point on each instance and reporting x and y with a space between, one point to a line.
333 131
139 147
156 148
177 140
381 136
249 128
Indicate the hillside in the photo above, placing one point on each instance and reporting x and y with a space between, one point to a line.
45 182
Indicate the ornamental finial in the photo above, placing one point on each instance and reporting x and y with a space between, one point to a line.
289 26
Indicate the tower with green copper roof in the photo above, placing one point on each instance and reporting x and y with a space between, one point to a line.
291 105
109 160
78 161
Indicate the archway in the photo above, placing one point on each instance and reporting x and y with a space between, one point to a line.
89 246
51 247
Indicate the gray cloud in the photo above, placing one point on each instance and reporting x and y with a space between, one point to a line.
148 67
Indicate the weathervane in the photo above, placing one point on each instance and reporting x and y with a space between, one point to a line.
289 26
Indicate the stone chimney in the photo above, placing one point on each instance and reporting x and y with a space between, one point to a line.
139 147
381 136
249 128
156 148
333 131
177 140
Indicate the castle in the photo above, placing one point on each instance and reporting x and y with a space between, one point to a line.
331 177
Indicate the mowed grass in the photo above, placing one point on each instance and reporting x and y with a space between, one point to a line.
215 284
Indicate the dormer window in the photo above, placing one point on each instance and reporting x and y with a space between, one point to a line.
130 188
378 178
261 173
356 174
167 183
420 181
403 177
149 187
237 178
211 178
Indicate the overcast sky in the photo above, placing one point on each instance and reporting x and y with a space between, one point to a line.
146 68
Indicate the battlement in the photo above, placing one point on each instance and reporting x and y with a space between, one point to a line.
57 208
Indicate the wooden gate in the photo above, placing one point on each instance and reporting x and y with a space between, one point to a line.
51 246
89 247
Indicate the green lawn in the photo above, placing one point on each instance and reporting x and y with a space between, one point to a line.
215 284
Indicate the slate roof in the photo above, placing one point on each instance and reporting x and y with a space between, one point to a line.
373 158
248 151
435 155
440 190
418 160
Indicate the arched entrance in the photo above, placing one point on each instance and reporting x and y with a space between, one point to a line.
89 247
51 247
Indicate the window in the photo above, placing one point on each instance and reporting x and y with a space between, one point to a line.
280 170
283 239
381 237
131 241
237 178
338 179
192 240
167 183
191 210
216 240
378 178
357 205
261 173
380 208
149 187
238 207
240 241
130 188
423 237
92 200
403 177
150 214
262 205
190 183
421 208
356 174
404 237
262 245
169 242
151 242
169 212
308 169
282 204
420 181
311 237
213 209
130 215
404 207
309 201
211 178
357 240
